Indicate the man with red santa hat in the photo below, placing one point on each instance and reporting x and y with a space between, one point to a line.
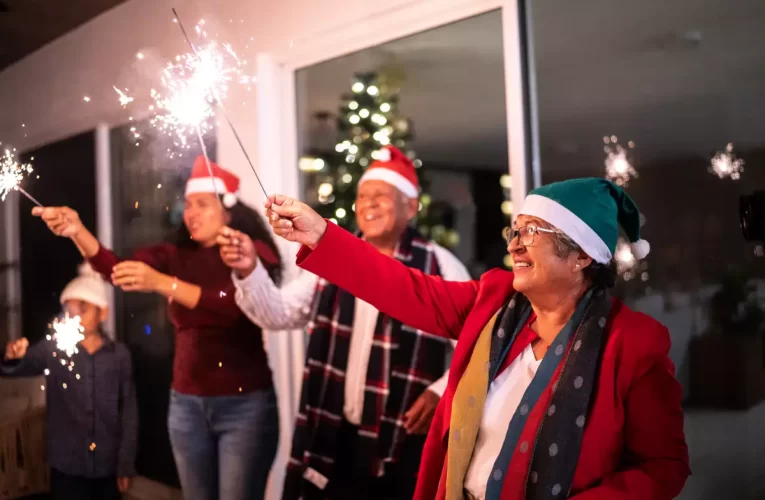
371 383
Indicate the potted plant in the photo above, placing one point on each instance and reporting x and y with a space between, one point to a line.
727 369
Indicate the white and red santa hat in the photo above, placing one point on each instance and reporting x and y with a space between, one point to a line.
395 168
222 181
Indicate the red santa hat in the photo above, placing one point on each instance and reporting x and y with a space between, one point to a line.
395 168
221 182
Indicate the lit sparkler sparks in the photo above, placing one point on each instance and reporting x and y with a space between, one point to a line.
627 266
11 174
68 333
618 166
124 98
193 84
726 164
215 90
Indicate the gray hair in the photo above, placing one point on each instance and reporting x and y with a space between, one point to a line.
602 275
564 245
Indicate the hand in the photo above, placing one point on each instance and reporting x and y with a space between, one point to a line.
294 220
237 251
16 349
421 413
62 221
123 483
133 276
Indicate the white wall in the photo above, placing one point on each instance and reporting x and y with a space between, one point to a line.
45 91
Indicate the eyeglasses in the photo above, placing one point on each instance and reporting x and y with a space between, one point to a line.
526 234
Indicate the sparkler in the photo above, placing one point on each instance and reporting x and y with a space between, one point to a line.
214 78
11 174
628 266
726 164
124 98
68 332
618 167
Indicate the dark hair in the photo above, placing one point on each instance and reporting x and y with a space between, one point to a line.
600 275
248 221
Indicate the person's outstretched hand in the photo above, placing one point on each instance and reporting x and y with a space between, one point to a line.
294 220
62 221
16 349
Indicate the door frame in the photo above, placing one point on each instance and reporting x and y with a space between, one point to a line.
277 132
276 78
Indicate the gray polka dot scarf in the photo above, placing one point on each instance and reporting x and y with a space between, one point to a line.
578 347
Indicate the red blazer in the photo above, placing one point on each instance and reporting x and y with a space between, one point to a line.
633 445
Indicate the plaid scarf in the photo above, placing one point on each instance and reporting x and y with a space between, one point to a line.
403 362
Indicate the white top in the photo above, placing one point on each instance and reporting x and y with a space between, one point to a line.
504 395
289 307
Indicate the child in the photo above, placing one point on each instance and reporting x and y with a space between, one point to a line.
91 408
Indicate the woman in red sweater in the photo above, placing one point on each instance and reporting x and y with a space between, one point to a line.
223 419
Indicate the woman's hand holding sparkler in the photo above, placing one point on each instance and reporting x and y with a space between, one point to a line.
294 220
237 251
16 349
63 221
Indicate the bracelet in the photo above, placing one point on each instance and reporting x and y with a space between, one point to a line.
173 288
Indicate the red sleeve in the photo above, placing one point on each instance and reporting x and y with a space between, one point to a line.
428 303
157 256
657 454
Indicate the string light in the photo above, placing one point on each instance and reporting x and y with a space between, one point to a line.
310 164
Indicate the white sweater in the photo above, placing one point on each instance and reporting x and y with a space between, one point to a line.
289 307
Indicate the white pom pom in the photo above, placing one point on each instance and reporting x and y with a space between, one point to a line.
383 155
640 249
229 200
85 269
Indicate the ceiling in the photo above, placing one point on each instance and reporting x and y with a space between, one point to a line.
27 25
678 78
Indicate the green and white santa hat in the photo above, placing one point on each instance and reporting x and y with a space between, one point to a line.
590 212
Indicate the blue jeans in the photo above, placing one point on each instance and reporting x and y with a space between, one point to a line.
224 446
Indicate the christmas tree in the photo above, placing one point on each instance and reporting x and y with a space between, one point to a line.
369 119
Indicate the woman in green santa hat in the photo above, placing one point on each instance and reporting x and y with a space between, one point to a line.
557 389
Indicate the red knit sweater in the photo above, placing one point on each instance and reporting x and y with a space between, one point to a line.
218 351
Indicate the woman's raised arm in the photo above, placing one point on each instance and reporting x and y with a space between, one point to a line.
421 301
